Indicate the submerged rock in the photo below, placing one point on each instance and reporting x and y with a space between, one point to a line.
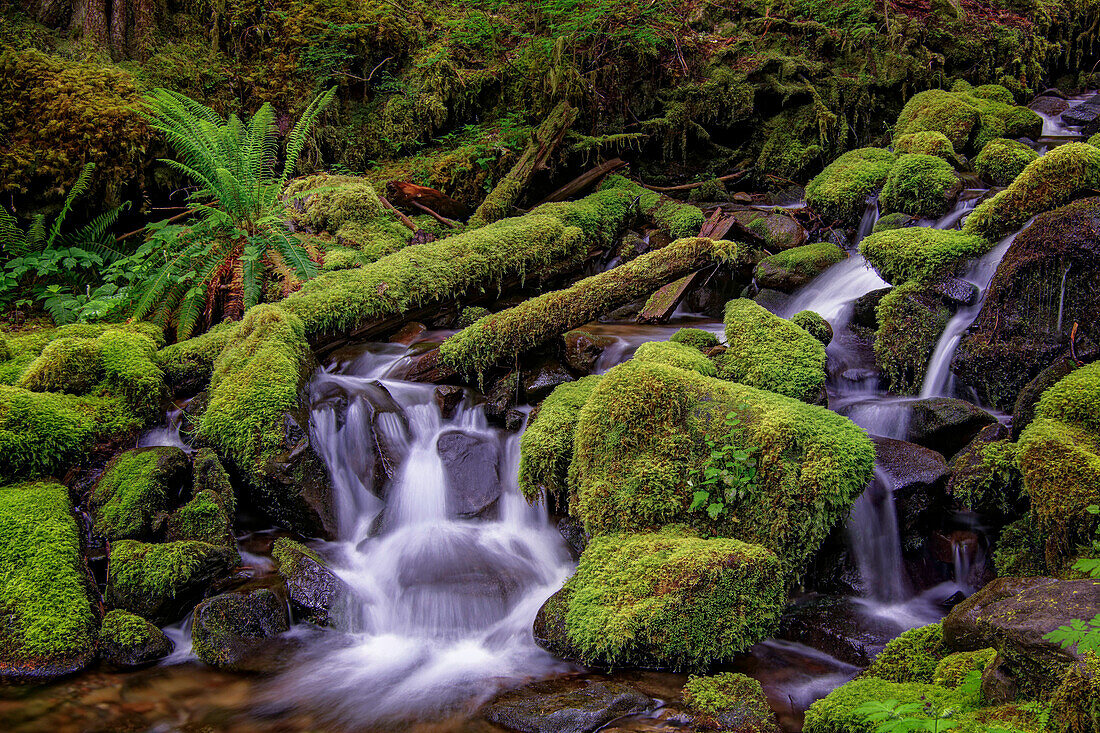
565 706
231 631
471 464
127 641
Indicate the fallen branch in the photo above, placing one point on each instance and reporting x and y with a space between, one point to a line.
583 181
441 219
690 186
404 219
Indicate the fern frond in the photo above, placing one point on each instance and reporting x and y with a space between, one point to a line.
297 139
78 189
12 237
155 289
295 255
36 234
252 272
190 308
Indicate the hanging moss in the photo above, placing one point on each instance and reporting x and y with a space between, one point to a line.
920 185
920 254
1001 161
840 191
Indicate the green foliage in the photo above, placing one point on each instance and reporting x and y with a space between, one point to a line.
768 352
729 474
134 487
1084 636
911 319
815 325
1001 160
920 185
840 191
844 709
922 254
678 355
695 337
911 657
891 716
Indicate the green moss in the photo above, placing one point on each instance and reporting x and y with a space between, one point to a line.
497 338
134 487
768 352
1001 160
65 365
920 185
695 337
48 615
288 552
1048 182
348 208
546 448
202 519
471 315
840 191
1094 140
641 439
1075 704
922 254
712 695
985 477
5 347
210 475
680 356
127 630
954 668
911 320
1019 550
191 362
671 596
836 713
928 142
797 266
815 325
911 657
158 581
968 118
678 220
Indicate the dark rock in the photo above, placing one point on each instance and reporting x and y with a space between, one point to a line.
565 706
161 582
448 398
1014 615
409 333
1049 105
835 625
1023 412
471 465
429 368
231 630
314 591
864 309
917 477
514 420
1084 113
296 491
954 290
945 424
583 350
626 312
773 300
970 471
502 397
574 533
127 641
540 379
549 629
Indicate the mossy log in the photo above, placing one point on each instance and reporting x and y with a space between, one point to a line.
498 204
500 336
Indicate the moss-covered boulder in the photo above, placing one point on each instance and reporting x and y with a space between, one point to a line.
132 496
771 353
583 349
204 518
945 424
984 476
127 641
791 269
1047 282
922 254
316 594
230 630
927 142
837 712
911 318
47 616
641 441
728 701
840 191
678 355
953 669
695 337
969 118
348 208
924 186
911 657
161 582
1001 160
779 231
889 222
669 599
66 365
813 324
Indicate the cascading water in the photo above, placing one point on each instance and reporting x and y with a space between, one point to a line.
876 544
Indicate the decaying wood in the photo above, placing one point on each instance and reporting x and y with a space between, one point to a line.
584 180
663 303
690 186
405 193
441 219
404 219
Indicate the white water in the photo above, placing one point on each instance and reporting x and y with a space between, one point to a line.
1062 301
876 544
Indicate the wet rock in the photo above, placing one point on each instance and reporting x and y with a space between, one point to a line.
945 424
409 333
161 582
1050 104
135 489
514 420
448 398
314 591
471 465
999 687
565 706
626 312
954 290
1023 412
502 397
583 350
127 641
729 701
1013 615
836 625
790 270
574 533
540 379
296 490
864 309
549 628
917 476
1084 113
429 368
232 631
975 484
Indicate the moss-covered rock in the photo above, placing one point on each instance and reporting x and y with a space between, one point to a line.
677 219
953 669
667 598
815 325
66 365
161 582
791 269
969 118
927 142
778 230
203 519
546 448
1001 160
911 657
840 191
348 208
230 629
922 254
680 356
127 641
911 319
836 713
640 442
769 352
316 594
729 701
1075 704
984 476
892 221
1019 550
695 337
135 490
920 185
47 616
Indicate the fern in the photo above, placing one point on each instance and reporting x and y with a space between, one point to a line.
1084 635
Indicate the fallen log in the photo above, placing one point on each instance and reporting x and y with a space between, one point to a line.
500 201
406 193
584 180
500 337
690 186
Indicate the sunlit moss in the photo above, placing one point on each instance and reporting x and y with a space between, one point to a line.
546 448
840 191
921 254
1001 160
681 356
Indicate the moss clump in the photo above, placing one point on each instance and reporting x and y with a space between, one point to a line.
837 711
985 477
1020 550
729 695
840 191
922 254
768 352
815 325
928 142
920 185
126 629
1001 160
911 320
288 553
65 365
203 519
49 622
1050 181
134 488
546 448
968 118
911 657
188 365
954 668
1075 704
499 337
680 356
695 337
641 439
671 596
348 208
159 582
891 222
5 347
471 315
678 220
793 268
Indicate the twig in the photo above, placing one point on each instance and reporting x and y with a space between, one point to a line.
404 219
689 186
175 218
441 219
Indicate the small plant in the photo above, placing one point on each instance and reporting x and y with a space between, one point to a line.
1084 635
890 716
729 474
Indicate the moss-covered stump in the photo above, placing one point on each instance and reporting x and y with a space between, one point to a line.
1059 457
161 582
127 641
497 338
1001 161
815 325
923 186
678 355
668 599
1047 183
791 269
771 353
840 191
348 208
921 254
47 616
640 443
728 701
911 657
968 117
1052 269
316 594
232 630
133 494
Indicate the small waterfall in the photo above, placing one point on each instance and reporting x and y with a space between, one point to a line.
169 435
1062 301
867 223
876 543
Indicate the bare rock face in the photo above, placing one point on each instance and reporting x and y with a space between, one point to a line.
945 424
565 706
471 464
